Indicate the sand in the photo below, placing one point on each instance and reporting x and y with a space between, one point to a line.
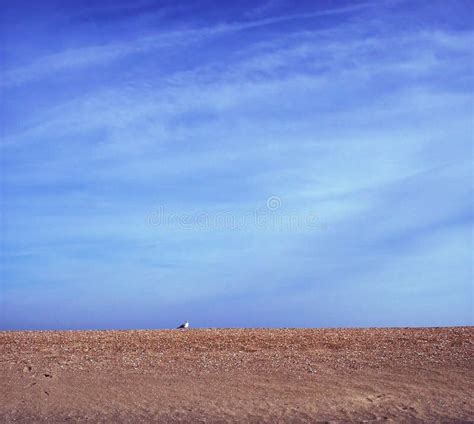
238 375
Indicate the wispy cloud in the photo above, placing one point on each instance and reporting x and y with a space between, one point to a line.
103 54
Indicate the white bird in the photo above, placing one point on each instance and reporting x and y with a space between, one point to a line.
185 325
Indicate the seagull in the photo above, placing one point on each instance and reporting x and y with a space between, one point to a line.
185 325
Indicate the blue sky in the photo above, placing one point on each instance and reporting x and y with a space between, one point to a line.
269 163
